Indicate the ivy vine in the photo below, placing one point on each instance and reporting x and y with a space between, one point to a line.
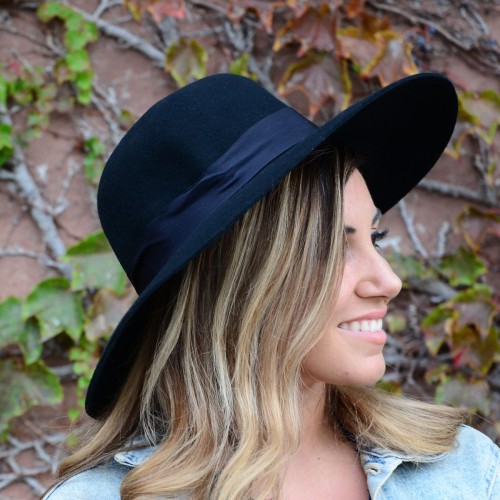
326 53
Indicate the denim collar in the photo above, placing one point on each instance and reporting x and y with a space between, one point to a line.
133 458
372 459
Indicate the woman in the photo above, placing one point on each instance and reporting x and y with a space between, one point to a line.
245 369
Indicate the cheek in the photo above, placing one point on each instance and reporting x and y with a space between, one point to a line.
347 285
326 361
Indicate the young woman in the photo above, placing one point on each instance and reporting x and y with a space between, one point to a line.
245 369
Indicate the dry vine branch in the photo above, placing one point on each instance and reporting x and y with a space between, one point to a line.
487 55
420 20
132 41
40 257
455 192
37 205
408 220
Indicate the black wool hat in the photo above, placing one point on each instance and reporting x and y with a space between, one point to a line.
202 156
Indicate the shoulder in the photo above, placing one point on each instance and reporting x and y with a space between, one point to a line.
472 442
470 470
480 454
102 481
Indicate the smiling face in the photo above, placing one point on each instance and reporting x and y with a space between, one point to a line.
349 351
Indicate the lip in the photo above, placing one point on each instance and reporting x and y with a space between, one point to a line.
379 314
379 337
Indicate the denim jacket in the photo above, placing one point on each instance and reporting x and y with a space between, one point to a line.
471 471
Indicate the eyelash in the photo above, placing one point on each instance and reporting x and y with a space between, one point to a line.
379 236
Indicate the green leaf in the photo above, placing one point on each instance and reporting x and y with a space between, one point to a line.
395 323
126 119
470 395
48 92
462 268
84 96
13 329
186 61
106 312
11 324
93 168
22 387
4 92
436 373
93 163
406 266
482 110
22 92
56 308
84 80
240 67
436 327
6 144
78 60
94 265
37 120
391 387
49 10
74 414
74 39
90 31
95 146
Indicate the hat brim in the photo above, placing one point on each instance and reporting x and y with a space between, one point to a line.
401 130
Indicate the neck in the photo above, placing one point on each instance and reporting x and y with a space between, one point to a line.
316 431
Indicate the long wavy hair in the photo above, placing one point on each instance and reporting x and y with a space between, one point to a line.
216 384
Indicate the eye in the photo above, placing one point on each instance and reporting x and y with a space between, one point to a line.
378 236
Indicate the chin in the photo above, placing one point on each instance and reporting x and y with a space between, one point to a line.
372 375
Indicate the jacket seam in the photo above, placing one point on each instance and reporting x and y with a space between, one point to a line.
495 475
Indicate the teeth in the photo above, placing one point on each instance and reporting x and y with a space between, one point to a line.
373 325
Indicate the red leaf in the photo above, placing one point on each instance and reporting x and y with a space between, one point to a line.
264 10
353 45
478 315
476 224
299 7
320 78
383 54
468 349
15 67
354 8
173 8
373 24
314 30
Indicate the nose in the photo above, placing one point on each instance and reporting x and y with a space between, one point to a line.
378 279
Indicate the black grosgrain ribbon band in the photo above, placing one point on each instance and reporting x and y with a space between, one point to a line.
250 153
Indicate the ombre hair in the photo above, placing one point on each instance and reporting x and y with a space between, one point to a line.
216 385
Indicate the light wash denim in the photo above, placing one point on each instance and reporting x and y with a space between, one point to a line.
469 472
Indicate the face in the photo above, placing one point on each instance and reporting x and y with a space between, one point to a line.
349 351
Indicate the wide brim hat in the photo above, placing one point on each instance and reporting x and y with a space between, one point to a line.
198 159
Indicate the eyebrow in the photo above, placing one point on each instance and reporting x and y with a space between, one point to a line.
376 218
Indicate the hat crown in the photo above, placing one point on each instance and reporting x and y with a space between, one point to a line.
169 148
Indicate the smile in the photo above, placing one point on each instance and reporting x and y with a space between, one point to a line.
373 325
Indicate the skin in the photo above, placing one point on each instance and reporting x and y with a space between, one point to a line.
326 465
343 357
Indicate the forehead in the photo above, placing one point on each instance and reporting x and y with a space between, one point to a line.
358 203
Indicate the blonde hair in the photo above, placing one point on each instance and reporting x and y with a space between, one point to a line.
219 369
